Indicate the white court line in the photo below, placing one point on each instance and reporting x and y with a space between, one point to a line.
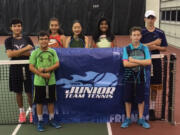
109 128
19 125
177 123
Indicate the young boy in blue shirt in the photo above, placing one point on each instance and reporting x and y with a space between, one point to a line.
130 92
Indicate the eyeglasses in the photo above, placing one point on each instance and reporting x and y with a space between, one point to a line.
43 38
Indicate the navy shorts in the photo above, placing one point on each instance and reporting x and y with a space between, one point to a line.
156 71
40 94
134 95
20 78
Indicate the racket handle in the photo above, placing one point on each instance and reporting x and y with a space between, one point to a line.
152 71
24 72
47 92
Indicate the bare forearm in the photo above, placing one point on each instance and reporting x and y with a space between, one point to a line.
67 42
86 42
155 42
52 68
142 62
129 64
162 49
17 53
26 53
64 43
63 40
34 70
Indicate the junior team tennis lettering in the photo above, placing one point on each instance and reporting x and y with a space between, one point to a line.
90 85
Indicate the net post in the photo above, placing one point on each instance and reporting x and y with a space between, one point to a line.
171 97
163 110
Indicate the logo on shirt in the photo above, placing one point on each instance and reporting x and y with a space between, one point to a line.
18 46
52 41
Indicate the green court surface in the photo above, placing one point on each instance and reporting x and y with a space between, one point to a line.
67 129
3 55
7 129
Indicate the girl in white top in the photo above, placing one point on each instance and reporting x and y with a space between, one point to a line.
103 38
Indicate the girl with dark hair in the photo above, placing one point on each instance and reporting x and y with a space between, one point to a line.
77 39
57 38
103 38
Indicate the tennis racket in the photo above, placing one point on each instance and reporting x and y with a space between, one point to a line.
138 70
45 60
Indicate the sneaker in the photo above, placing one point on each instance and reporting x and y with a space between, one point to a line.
22 117
143 123
152 116
54 123
40 127
30 117
126 123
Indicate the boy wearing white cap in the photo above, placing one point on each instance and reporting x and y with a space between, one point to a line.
155 39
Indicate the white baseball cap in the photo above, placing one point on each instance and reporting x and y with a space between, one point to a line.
150 13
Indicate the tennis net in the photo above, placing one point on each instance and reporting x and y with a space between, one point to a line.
165 92
164 107
9 111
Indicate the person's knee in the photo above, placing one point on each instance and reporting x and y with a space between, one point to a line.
29 95
153 94
19 94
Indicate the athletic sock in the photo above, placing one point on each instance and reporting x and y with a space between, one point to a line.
21 110
51 116
40 118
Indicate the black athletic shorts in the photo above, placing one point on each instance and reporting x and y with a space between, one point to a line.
20 78
156 71
40 94
134 95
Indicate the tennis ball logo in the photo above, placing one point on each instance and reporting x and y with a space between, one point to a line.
90 79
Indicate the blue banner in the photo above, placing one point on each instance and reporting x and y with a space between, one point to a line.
90 87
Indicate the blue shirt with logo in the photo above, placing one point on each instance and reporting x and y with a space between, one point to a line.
148 37
141 46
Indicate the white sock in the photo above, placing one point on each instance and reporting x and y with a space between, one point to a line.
51 116
30 109
152 105
21 110
40 118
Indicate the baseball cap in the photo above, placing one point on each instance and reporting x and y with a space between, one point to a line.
150 13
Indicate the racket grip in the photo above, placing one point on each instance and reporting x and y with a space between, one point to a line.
24 72
152 71
47 92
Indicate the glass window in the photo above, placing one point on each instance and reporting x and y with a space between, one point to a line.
163 15
178 15
173 15
168 15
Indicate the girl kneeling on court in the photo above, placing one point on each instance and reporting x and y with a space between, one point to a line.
135 57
